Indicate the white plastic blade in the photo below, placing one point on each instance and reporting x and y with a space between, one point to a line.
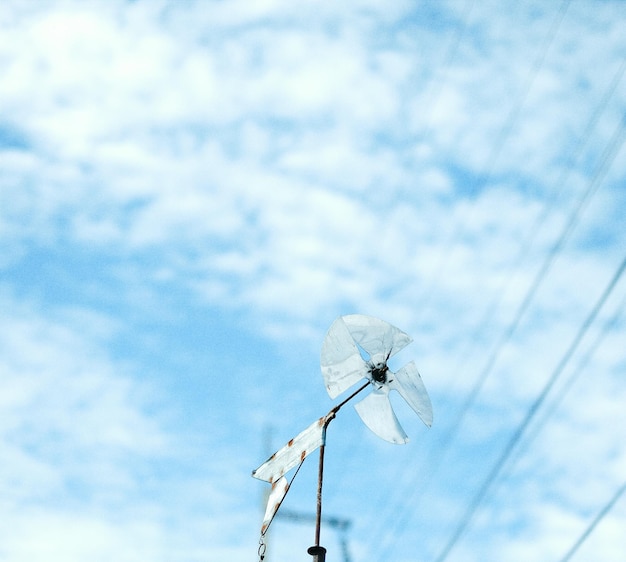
342 364
408 382
376 412
376 336
275 498
293 453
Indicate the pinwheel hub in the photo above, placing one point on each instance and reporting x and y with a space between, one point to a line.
358 346
378 372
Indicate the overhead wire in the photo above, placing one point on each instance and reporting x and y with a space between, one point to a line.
503 135
435 88
433 95
593 524
609 326
559 395
497 146
530 414
606 159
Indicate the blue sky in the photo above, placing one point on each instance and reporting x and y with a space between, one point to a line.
192 192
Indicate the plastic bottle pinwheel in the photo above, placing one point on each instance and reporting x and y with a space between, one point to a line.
356 347
343 365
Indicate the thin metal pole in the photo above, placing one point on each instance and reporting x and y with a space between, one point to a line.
336 408
319 552
320 475
320 478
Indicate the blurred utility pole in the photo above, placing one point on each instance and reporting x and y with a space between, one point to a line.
340 525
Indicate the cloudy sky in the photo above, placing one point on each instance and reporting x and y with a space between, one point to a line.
192 191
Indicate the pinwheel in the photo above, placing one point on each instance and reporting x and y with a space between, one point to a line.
356 347
343 365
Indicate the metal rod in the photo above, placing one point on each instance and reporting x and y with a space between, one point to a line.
316 551
319 552
336 408
320 478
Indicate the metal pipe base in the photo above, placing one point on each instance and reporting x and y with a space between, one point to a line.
318 553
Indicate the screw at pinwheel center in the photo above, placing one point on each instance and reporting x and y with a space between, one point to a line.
379 373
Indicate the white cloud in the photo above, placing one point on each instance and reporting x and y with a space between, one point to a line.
59 385
73 426
93 467
279 164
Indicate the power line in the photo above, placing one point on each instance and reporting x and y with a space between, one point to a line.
606 160
532 411
434 90
601 515
501 139
451 53
609 325
504 133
